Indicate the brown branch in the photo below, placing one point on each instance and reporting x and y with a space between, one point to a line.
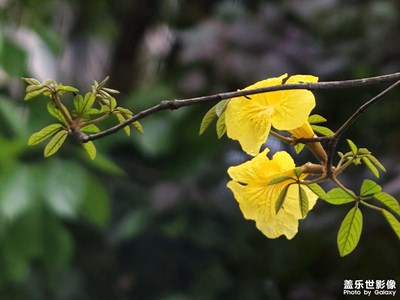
335 138
175 104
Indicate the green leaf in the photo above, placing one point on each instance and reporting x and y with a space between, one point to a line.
207 119
348 155
281 199
369 187
316 119
221 128
105 108
67 88
55 143
33 88
87 104
55 112
350 231
138 126
303 201
279 179
113 103
393 222
376 162
90 129
104 96
93 111
370 166
363 151
337 196
31 81
299 147
103 82
352 146
389 201
90 149
125 112
78 103
33 94
95 85
297 172
49 82
220 107
43 134
357 161
322 130
121 120
317 190
111 91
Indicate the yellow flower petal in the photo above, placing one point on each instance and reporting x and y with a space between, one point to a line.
257 199
283 162
262 169
248 122
287 226
257 203
291 204
305 131
293 109
252 170
301 78
248 119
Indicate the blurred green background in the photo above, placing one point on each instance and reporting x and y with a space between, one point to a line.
151 217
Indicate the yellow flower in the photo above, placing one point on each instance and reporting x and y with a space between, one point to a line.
249 119
257 199
305 131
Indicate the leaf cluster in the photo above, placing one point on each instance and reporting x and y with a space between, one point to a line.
358 156
319 129
303 199
351 227
215 112
369 196
81 118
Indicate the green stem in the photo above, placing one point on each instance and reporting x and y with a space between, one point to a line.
342 166
56 98
339 184
372 206
95 121
316 180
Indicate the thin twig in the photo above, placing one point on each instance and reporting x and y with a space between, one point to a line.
335 139
364 107
175 104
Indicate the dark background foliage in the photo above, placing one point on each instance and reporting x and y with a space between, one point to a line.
151 217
